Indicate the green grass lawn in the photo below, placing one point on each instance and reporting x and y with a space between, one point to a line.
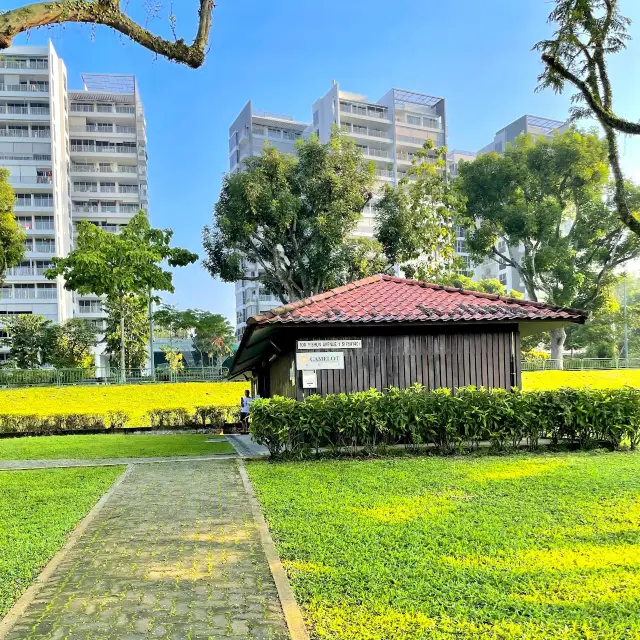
37 511
92 447
523 547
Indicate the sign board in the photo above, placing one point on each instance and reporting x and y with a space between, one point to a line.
329 344
309 380
320 360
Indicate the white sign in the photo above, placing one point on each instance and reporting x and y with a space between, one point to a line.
320 360
329 344
309 380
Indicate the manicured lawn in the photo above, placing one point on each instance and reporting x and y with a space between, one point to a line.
523 547
134 399
37 511
110 446
532 380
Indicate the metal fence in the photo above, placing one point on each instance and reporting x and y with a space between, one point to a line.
580 364
62 377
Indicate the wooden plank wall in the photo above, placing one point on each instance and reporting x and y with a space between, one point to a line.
279 379
434 360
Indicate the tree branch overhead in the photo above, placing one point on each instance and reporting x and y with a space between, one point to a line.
108 13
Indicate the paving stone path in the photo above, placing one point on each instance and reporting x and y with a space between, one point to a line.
246 446
14 465
174 553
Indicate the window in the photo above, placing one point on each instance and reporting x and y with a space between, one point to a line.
316 117
39 131
44 223
432 123
90 306
23 199
47 291
107 187
461 245
414 120
25 222
24 291
85 187
45 245
43 200
503 279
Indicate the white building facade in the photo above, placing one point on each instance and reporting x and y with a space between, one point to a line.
71 156
388 131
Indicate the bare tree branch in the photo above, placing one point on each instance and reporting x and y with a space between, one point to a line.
108 13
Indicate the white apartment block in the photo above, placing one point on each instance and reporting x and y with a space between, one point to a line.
388 131
72 156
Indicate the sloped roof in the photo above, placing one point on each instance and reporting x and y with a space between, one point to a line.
387 299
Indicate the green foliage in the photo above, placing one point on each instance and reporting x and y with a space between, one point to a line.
38 509
445 420
73 344
11 235
30 339
486 285
129 264
527 547
112 445
292 216
174 359
550 197
133 309
415 220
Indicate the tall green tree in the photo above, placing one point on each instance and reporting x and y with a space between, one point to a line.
587 33
73 344
122 265
415 220
11 236
30 339
293 217
213 335
133 309
550 201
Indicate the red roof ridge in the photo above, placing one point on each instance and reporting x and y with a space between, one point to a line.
304 302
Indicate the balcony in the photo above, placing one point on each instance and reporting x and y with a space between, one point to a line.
45 180
374 153
77 148
385 174
26 157
365 111
105 169
24 88
39 64
355 130
24 272
14 110
103 128
129 189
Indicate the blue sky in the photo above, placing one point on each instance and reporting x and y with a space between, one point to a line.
284 54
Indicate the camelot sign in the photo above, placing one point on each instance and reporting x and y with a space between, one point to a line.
329 344
320 360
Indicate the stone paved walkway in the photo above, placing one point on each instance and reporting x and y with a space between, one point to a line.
246 446
174 553
14 465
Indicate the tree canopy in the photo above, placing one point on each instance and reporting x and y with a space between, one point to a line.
415 220
587 33
550 200
294 218
111 13
11 236
131 263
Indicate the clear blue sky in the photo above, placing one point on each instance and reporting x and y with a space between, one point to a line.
284 54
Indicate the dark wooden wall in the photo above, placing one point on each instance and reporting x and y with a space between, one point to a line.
279 378
448 359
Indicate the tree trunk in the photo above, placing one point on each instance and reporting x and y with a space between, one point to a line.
152 364
123 363
558 336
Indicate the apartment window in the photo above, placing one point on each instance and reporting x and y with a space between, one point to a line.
257 131
47 291
45 245
39 131
503 279
23 199
290 135
18 131
233 140
6 292
44 223
105 108
85 187
461 245
274 133
108 207
124 109
90 306
78 107
107 187
25 222
41 266
129 208
502 246
316 118
432 123
24 291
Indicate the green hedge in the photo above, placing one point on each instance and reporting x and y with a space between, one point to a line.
447 421
202 417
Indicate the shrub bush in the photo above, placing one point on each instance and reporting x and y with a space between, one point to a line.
448 421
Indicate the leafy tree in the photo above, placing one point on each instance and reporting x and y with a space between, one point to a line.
133 310
174 359
415 221
29 338
172 322
550 201
486 285
11 236
73 343
121 265
587 33
213 334
110 14
292 216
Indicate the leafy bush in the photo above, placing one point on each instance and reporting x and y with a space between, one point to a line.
447 421
161 418
213 416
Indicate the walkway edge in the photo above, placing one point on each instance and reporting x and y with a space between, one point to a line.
21 604
292 613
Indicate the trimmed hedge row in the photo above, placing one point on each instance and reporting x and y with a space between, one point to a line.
202 417
447 421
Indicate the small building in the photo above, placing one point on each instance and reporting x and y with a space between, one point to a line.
384 331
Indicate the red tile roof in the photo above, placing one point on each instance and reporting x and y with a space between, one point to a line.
383 299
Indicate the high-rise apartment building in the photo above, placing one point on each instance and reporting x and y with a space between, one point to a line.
388 131
72 156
